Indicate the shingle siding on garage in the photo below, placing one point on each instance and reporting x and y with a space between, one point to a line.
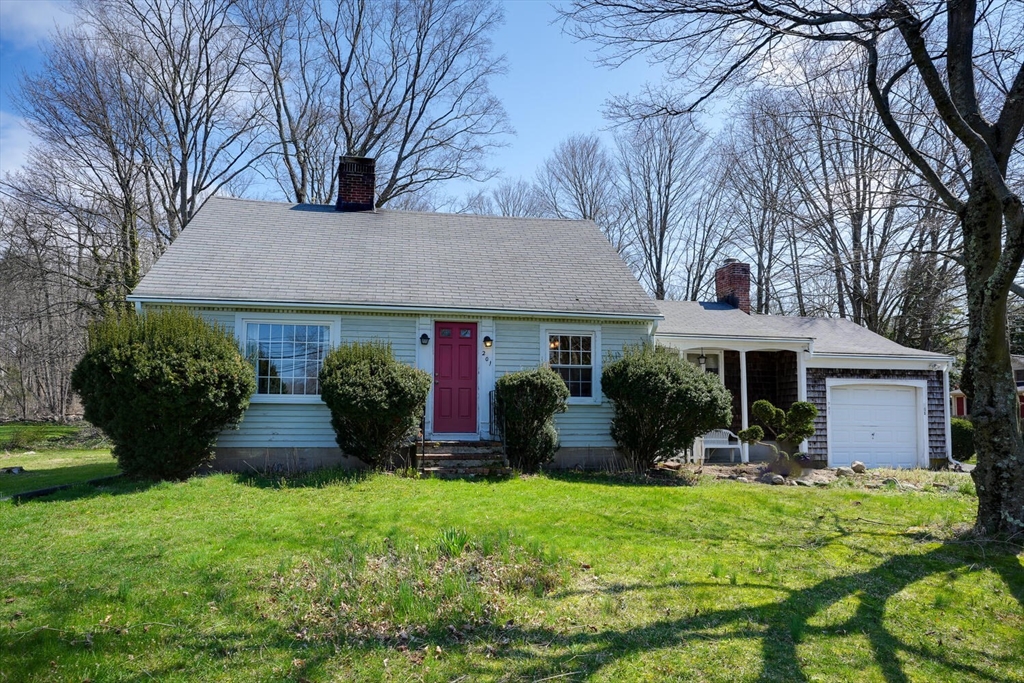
817 394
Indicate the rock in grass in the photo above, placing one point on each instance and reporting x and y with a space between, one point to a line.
844 472
804 482
858 467
778 479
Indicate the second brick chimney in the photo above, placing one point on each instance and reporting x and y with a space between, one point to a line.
357 179
732 284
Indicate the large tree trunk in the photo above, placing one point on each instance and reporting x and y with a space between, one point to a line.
988 377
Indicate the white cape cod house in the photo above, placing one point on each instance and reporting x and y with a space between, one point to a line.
468 298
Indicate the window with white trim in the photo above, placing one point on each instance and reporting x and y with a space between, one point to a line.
287 357
572 357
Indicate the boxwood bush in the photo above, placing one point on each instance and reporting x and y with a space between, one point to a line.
962 433
662 403
525 407
375 400
162 386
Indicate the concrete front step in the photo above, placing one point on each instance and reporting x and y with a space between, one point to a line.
434 461
466 450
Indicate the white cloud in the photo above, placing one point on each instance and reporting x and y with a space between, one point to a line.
15 141
24 23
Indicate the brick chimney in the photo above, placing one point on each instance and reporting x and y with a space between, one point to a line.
357 178
732 284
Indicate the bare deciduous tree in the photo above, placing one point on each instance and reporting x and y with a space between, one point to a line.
405 82
515 198
954 49
580 180
190 64
661 163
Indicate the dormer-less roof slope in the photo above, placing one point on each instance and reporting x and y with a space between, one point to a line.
250 252
831 336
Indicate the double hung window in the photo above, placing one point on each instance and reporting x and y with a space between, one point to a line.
572 357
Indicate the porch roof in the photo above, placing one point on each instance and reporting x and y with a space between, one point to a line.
830 336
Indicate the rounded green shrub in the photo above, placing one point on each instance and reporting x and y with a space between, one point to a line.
962 434
662 403
525 407
375 400
162 386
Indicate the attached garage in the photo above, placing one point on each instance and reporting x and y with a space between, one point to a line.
882 424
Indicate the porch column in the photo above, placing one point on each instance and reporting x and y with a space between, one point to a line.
801 386
744 418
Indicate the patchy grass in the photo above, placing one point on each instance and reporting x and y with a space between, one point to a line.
53 468
370 577
23 436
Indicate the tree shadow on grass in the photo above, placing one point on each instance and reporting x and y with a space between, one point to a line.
781 627
114 485
624 478
778 628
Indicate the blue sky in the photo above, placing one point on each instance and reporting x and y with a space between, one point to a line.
553 88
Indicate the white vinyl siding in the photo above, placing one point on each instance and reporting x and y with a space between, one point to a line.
225 319
401 332
308 425
517 347
282 425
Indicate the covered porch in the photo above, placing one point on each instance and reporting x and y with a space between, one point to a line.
772 370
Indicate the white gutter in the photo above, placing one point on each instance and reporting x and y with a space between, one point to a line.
392 308
743 338
937 358
949 423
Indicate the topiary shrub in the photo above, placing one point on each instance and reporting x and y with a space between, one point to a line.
790 427
162 386
375 400
525 407
662 403
962 434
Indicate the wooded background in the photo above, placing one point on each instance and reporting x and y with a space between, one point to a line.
148 107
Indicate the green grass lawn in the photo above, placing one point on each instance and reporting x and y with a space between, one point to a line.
561 578
31 434
53 468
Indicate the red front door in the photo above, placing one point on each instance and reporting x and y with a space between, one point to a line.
455 378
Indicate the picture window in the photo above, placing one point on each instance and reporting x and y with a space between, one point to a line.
287 358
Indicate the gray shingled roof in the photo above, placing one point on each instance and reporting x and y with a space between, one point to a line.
702 318
251 251
830 335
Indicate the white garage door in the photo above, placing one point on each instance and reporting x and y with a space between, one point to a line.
876 424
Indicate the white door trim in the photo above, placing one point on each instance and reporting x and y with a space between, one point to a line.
484 374
921 410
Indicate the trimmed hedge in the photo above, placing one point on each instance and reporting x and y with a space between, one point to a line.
162 386
662 403
962 435
375 400
525 407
